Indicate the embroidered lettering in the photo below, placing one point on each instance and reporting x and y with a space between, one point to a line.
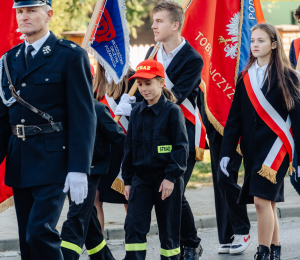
164 149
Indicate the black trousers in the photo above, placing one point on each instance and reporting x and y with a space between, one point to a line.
143 195
38 210
82 227
231 217
188 230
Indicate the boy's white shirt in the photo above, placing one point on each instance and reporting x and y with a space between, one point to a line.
168 58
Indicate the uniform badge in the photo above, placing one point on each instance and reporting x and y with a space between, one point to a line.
73 45
17 54
46 50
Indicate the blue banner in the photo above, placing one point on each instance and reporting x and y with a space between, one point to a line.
250 19
110 45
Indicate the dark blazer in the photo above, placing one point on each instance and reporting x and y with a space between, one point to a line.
108 132
292 55
58 82
257 138
185 73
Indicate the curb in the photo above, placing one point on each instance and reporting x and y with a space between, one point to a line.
116 232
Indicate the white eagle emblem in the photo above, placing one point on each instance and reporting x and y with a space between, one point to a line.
73 45
46 50
231 49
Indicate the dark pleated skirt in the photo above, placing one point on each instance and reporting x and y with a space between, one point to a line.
106 193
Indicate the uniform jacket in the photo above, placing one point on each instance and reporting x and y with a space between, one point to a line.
292 55
161 124
184 72
256 137
108 132
58 82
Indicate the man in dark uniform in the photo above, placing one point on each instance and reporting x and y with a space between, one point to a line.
47 128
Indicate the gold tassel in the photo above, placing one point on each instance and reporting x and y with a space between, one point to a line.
268 173
199 153
7 204
212 119
291 169
118 185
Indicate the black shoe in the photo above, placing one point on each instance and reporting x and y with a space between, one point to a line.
275 252
181 252
263 253
192 253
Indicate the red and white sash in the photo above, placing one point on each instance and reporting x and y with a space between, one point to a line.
111 103
284 143
190 113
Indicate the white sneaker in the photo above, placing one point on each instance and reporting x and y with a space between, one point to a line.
224 249
239 244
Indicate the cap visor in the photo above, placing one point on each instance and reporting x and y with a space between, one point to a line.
143 75
28 4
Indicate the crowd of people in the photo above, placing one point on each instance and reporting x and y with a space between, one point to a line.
58 135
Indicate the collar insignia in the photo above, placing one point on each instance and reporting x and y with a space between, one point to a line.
46 50
73 45
17 54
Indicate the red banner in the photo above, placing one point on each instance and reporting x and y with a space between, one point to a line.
9 38
212 28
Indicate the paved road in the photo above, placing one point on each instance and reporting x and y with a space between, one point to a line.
201 201
289 233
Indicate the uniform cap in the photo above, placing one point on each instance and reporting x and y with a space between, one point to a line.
31 3
148 69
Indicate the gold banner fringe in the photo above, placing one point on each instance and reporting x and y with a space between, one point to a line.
268 173
7 204
199 153
212 119
291 169
118 185
239 43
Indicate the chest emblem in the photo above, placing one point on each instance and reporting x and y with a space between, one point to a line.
46 50
164 149
17 54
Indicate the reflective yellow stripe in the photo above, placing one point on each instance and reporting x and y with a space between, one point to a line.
136 247
170 252
71 246
97 248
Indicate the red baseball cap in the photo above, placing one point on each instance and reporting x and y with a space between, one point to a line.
148 69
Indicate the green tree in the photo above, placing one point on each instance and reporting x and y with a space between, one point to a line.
74 15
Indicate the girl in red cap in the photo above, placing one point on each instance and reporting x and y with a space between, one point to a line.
155 158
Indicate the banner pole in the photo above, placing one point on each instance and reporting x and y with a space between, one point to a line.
92 24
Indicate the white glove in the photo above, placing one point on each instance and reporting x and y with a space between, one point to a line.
77 183
123 109
126 99
298 171
223 165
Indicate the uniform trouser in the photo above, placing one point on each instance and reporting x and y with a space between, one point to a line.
38 210
143 195
82 227
188 230
232 218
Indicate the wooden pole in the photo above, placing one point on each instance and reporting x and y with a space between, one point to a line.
151 57
92 24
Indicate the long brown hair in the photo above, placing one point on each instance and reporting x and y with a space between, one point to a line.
102 87
282 65
168 93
